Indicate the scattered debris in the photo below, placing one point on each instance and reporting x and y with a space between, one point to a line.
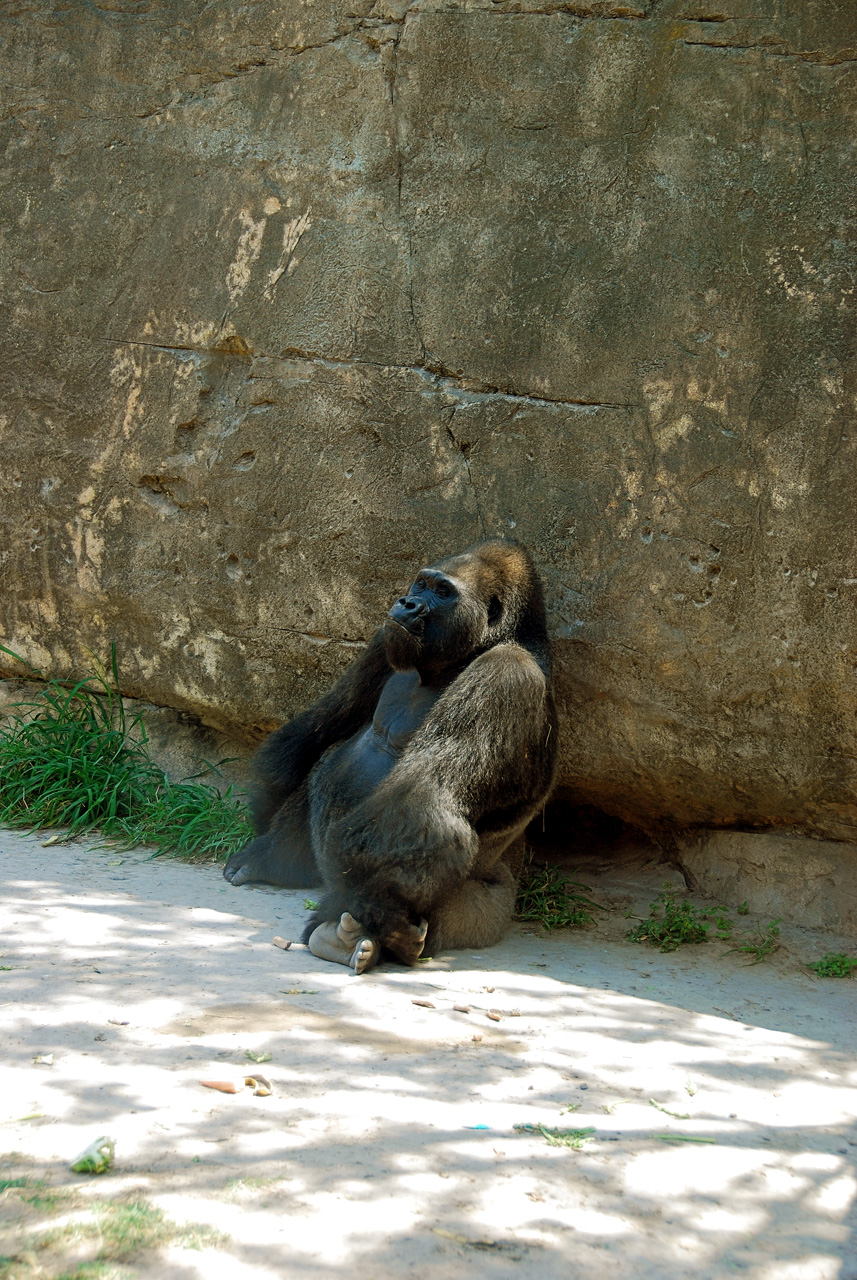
260 1085
683 1137
461 1008
44 1059
299 991
677 1115
257 1057
282 943
574 1138
223 1086
118 1022
97 1157
424 1004
494 1015
476 1038
460 1239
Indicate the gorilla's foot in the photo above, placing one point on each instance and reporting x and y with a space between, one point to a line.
407 943
343 943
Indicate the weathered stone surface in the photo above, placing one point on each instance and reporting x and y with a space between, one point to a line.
810 882
298 296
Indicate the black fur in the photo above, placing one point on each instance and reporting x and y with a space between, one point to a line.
406 789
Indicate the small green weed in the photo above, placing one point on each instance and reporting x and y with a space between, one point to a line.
310 904
762 944
835 964
574 1138
673 924
548 898
73 759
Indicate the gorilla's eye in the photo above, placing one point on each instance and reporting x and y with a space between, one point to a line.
442 590
421 583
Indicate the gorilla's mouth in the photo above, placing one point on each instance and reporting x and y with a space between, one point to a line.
416 628
403 648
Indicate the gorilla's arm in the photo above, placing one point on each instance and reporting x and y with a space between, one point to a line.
286 757
483 757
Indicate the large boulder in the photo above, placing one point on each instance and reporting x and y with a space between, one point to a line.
298 296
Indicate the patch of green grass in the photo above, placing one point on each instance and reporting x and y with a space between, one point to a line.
762 944
673 924
74 759
125 1229
548 898
6 1183
310 904
835 964
574 1138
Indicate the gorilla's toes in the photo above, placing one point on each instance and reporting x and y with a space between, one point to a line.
365 956
237 872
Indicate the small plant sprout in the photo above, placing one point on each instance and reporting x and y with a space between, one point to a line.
762 944
835 964
673 924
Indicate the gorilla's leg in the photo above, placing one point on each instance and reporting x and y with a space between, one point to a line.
344 944
283 855
476 913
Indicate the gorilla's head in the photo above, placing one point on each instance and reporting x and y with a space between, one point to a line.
463 605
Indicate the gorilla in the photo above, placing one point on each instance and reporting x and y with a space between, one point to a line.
406 789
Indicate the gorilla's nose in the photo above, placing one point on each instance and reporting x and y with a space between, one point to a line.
406 611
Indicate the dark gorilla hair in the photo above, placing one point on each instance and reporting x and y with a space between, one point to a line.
407 788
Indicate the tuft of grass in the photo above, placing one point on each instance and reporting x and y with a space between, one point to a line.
835 964
673 924
761 944
74 759
125 1229
548 898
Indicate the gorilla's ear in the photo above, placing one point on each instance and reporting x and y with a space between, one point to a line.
495 608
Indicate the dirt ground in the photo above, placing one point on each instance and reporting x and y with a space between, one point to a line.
721 1096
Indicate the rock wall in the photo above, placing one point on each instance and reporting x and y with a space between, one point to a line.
300 295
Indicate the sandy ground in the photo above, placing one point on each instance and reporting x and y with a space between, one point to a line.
388 1147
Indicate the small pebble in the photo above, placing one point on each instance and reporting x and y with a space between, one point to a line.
584 1086
424 1004
461 1008
282 943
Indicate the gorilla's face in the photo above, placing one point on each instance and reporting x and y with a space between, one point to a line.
438 624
